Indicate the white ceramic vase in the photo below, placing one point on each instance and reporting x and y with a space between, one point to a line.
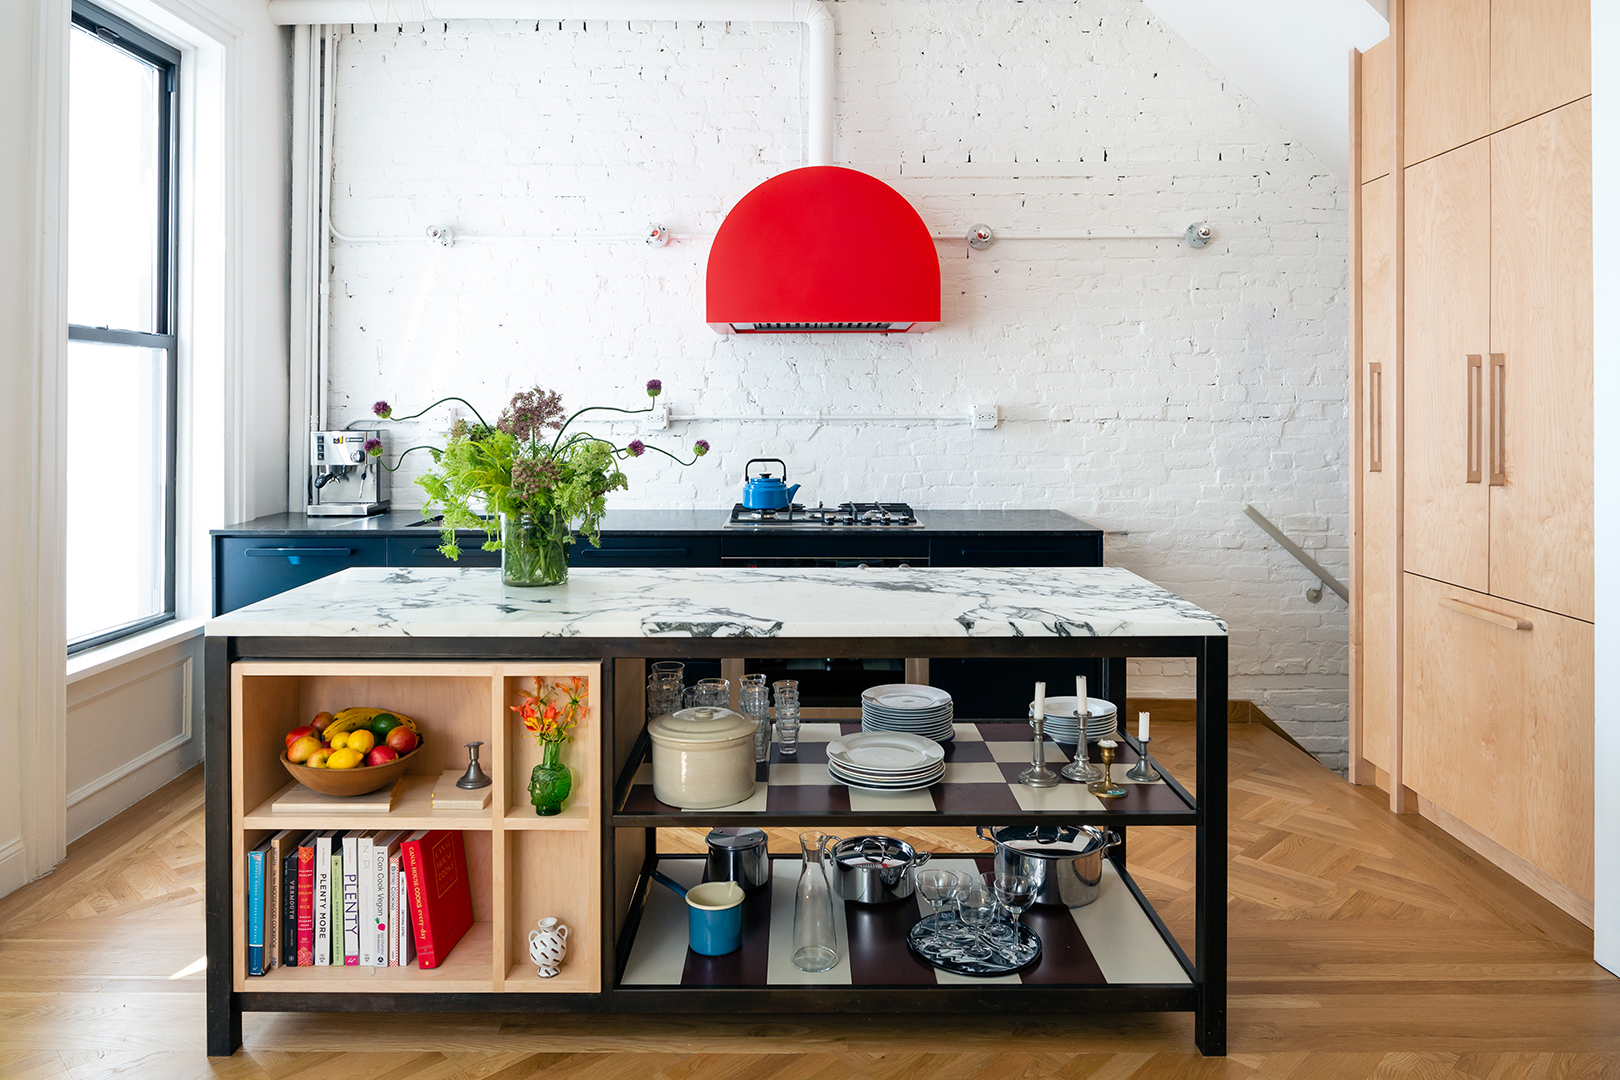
547 946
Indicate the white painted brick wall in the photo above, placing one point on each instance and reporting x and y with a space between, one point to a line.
1146 387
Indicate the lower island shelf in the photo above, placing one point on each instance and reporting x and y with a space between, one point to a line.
1111 942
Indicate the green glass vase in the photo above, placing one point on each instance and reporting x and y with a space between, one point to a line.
550 782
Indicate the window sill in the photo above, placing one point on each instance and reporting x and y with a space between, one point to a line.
106 657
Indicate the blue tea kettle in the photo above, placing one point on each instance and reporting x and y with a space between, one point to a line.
766 492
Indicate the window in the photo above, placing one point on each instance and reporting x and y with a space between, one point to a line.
121 343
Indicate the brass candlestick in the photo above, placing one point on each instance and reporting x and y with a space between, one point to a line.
1106 788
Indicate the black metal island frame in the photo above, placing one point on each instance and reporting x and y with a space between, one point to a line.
453 649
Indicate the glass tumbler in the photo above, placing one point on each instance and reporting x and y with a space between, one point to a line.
787 717
755 700
664 693
709 693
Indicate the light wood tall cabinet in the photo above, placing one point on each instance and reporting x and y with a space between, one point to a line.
1471 391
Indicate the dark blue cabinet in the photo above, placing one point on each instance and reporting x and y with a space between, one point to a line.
248 569
669 550
424 550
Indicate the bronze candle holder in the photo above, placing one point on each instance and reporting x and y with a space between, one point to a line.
1106 788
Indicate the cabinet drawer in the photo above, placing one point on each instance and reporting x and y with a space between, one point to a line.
248 569
1498 722
647 551
1018 551
424 551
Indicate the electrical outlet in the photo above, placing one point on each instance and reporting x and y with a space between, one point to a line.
657 420
986 417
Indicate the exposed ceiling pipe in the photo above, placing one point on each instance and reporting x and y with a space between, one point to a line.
815 15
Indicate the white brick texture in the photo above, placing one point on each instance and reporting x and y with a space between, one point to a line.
1146 387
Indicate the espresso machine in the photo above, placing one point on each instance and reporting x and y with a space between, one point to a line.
345 481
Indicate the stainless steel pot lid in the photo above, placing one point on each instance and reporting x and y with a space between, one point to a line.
1049 841
736 839
877 852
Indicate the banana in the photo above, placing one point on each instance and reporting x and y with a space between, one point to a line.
355 717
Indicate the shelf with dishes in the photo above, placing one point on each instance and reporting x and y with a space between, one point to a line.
497 845
979 782
1112 941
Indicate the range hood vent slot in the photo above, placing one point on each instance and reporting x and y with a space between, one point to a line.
823 250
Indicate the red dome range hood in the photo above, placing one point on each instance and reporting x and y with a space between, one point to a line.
820 250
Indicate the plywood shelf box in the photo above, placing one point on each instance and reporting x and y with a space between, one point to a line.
521 867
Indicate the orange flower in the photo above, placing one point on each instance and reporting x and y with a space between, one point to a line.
544 718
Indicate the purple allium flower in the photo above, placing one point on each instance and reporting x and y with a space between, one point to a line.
636 448
372 446
530 411
700 447
382 410
531 476
655 387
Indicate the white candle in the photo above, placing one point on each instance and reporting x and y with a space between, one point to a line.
1142 725
1080 694
1040 700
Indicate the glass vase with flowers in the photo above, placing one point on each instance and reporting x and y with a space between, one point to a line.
528 481
550 721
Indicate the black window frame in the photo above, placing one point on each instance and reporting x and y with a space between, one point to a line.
160 54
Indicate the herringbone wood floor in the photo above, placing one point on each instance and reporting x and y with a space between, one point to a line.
1362 946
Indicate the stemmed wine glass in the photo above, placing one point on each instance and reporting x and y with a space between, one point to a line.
976 907
938 887
1015 893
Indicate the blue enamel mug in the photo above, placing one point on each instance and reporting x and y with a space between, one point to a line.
713 914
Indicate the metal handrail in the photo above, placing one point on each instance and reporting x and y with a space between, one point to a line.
1322 576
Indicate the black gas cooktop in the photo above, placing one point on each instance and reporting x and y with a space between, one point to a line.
850 515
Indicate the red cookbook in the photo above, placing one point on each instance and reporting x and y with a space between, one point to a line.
306 904
440 897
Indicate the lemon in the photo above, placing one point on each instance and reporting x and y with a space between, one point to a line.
344 759
361 740
339 741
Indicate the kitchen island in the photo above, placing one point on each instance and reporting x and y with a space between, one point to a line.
453 648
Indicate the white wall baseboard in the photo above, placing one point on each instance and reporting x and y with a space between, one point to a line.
102 800
13 867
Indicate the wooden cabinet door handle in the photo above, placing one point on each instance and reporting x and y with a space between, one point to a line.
1474 611
1498 419
1375 417
1475 393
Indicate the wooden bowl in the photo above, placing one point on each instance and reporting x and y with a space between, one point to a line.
360 780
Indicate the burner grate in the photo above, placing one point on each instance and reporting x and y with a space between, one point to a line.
877 515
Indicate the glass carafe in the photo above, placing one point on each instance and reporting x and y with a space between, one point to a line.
815 934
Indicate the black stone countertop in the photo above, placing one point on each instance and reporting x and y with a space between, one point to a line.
665 522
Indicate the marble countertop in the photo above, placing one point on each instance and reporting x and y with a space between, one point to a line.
705 522
622 602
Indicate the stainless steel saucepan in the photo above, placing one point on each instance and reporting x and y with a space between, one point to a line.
1065 861
874 869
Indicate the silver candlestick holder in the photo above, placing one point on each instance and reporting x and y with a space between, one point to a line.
1081 768
1143 771
1038 775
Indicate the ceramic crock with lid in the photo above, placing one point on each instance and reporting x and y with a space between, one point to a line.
702 757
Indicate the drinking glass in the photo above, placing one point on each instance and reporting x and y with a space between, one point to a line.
755 702
709 694
1000 929
663 693
787 717
1015 892
976 907
938 887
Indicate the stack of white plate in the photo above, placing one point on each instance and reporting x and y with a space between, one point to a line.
1063 720
906 707
885 760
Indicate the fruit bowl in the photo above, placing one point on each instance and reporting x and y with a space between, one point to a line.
361 780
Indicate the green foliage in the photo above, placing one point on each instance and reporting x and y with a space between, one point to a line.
483 472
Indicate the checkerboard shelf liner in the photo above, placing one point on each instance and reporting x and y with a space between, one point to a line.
1109 942
981 777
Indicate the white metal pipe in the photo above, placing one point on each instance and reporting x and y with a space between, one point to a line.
815 15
